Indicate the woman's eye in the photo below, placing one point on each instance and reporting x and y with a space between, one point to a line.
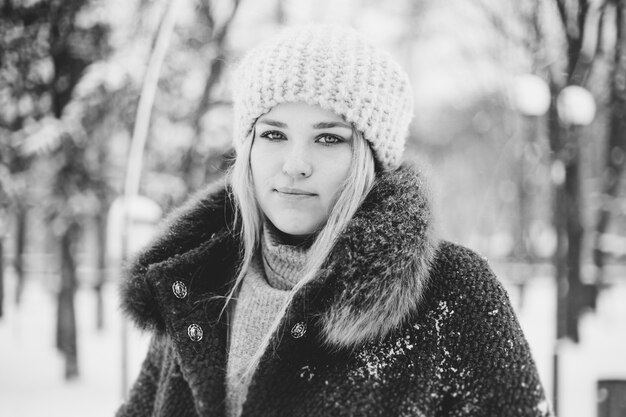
273 135
329 139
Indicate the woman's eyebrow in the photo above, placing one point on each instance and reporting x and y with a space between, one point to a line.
327 125
274 123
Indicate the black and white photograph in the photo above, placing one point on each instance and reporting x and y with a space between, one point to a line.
312 208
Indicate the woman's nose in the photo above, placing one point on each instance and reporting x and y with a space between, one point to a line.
296 164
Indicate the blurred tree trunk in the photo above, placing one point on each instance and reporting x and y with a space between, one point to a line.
20 244
566 212
71 177
616 149
66 317
1 275
192 161
569 205
101 230
582 30
103 193
559 215
581 20
521 245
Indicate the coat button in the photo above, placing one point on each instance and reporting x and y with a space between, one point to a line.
298 330
195 332
179 289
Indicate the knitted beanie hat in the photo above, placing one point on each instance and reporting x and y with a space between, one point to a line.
336 69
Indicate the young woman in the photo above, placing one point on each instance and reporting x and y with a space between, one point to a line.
311 283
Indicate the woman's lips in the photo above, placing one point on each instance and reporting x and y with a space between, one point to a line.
289 193
294 192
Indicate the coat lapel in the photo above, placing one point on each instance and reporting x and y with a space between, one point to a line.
193 321
177 286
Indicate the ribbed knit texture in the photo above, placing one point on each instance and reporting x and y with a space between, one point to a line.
336 69
263 292
283 264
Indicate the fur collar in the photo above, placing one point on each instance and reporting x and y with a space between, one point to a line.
374 278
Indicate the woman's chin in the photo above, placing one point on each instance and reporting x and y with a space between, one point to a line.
291 222
295 231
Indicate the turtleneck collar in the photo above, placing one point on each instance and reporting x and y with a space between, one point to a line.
283 264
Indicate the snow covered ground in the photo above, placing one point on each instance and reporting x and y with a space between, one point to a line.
600 355
31 370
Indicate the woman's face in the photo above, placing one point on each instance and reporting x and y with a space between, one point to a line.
300 156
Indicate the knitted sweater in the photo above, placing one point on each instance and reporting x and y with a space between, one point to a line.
261 296
395 324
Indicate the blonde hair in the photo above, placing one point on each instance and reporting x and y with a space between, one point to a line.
352 192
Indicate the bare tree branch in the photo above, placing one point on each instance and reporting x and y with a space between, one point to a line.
589 42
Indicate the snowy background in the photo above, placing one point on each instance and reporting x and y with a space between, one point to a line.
482 136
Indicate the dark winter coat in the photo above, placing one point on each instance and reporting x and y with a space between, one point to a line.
397 324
